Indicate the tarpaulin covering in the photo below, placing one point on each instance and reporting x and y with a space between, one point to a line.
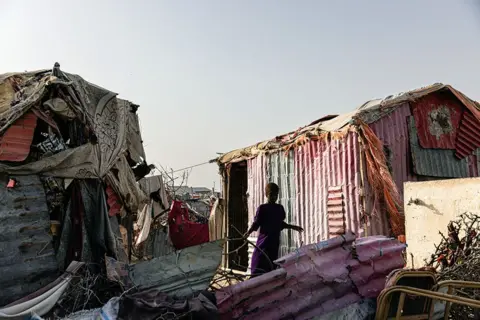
315 280
107 117
184 232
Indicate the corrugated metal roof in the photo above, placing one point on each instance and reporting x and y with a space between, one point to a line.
27 259
314 280
435 162
16 141
437 117
468 136
181 273
369 112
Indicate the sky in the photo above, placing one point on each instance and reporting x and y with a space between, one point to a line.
211 76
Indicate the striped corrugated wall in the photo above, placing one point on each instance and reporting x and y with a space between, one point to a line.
281 170
323 167
257 180
307 176
392 130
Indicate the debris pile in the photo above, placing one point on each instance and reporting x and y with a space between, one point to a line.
457 257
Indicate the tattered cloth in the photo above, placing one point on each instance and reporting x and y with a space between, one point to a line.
108 117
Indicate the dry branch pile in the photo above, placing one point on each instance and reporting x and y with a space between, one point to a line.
457 257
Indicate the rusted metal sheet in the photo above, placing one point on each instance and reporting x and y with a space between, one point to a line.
437 117
282 172
468 136
435 162
27 258
392 130
16 141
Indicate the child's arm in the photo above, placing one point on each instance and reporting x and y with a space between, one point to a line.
256 223
289 226
292 227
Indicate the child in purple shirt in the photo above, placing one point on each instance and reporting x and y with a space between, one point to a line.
270 219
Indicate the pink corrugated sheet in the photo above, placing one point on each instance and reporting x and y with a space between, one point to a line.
315 280
257 180
392 130
320 165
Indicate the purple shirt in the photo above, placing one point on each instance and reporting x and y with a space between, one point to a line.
270 220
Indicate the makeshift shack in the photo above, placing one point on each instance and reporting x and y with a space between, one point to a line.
346 172
70 155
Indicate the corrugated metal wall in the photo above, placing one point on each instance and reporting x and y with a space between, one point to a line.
257 180
304 176
320 165
27 258
392 130
281 170
161 243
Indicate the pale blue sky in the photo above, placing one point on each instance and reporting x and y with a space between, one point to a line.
212 76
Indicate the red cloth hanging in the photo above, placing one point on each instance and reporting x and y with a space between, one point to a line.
113 201
184 232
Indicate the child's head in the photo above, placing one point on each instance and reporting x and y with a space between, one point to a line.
271 191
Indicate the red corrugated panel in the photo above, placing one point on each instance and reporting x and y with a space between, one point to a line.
468 136
16 141
437 117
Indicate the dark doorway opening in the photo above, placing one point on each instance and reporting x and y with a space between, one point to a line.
237 215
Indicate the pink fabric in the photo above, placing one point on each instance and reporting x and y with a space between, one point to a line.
316 279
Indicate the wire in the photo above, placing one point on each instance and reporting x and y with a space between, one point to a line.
194 166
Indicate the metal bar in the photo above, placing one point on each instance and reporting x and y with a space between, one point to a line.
401 302
448 305
382 308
